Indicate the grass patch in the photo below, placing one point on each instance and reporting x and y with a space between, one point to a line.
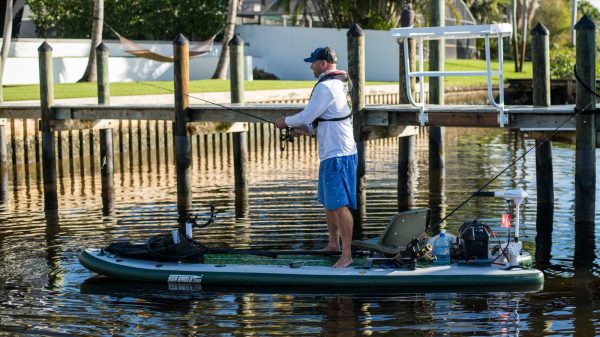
475 65
79 90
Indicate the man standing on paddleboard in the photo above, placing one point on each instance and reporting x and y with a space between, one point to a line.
329 116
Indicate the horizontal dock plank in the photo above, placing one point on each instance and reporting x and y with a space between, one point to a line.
20 111
471 116
520 117
123 112
242 113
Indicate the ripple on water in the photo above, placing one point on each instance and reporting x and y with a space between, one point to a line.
44 289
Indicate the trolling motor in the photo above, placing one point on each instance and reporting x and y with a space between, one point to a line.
510 250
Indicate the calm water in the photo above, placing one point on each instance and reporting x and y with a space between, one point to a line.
45 291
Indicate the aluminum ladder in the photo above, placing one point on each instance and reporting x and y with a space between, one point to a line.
499 30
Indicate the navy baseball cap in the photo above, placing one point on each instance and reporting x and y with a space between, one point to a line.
323 53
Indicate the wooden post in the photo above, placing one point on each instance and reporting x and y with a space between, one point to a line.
106 135
48 141
183 146
407 164
437 165
585 154
36 140
406 145
356 70
540 45
3 163
407 19
240 139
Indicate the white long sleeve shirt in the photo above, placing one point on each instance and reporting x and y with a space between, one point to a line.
335 138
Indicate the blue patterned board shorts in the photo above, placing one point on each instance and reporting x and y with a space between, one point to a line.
337 182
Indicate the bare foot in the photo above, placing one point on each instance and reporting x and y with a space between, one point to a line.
343 262
330 249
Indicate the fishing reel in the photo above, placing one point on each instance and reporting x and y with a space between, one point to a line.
415 251
285 136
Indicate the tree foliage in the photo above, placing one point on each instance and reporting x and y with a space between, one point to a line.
584 7
369 14
135 19
556 16
489 11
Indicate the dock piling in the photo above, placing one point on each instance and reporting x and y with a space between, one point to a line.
356 70
406 145
437 165
48 140
240 139
182 142
106 135
540 45
3 163
585 148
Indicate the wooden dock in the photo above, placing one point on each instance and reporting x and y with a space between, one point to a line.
371 121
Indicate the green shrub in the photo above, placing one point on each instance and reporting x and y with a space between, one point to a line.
562 61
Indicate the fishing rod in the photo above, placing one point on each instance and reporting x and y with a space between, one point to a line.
417 242
284 137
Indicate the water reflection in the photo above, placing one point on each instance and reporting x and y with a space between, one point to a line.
53 249
328 312
43 281
3 184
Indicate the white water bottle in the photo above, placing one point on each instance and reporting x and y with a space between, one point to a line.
441 250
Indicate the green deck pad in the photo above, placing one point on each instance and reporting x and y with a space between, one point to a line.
281 260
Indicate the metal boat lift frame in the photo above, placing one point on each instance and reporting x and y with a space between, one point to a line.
499 30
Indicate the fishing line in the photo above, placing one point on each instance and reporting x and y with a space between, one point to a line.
284 137
209 102
577 112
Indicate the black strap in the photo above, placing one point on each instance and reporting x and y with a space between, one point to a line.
585 86
332 119
589 90
315 123
323 79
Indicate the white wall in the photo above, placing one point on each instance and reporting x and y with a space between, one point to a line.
70 60
281 50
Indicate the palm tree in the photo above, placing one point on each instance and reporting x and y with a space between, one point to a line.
222 64
97 24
